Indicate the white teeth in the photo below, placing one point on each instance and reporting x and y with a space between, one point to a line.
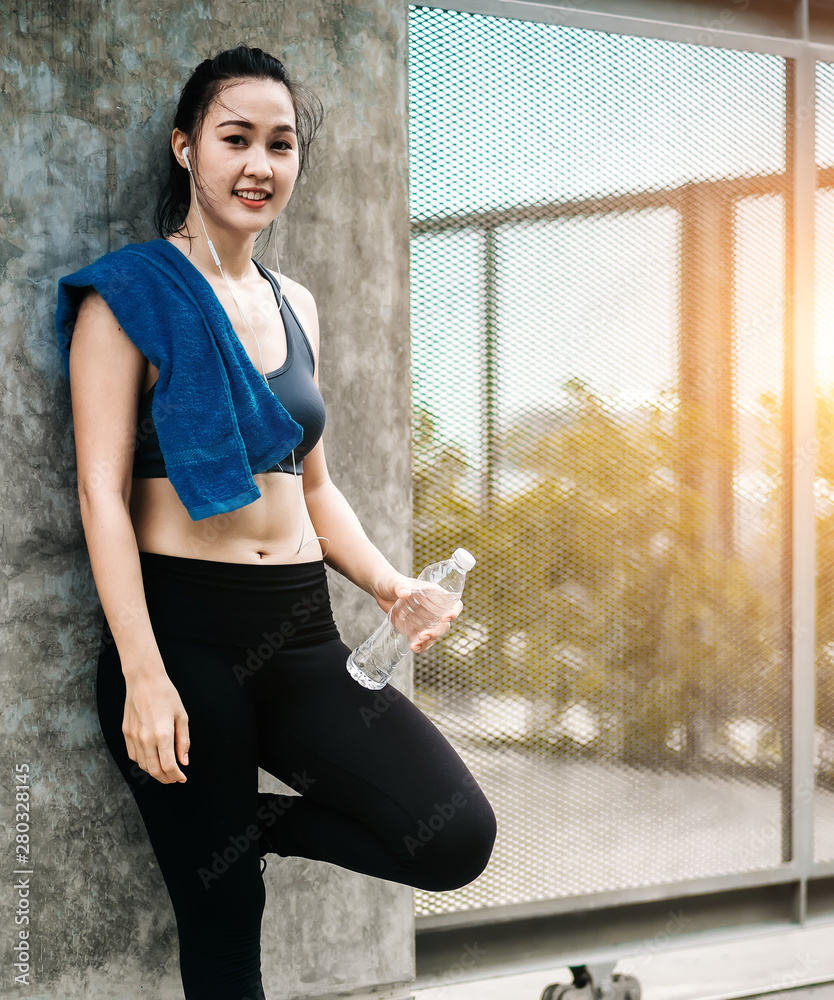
250 196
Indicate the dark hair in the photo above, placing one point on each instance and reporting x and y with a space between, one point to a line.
206 83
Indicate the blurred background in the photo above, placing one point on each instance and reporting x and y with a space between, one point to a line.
623 390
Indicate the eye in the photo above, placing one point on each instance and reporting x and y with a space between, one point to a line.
280 142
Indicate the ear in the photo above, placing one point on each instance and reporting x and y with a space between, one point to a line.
179 141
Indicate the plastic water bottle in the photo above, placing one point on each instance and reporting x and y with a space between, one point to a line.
373 662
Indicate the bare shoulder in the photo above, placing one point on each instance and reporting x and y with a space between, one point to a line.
93 305
296 293
302 301
98 335
290 286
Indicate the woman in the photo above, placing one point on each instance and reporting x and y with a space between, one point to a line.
219 640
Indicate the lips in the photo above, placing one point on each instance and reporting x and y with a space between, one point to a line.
262 199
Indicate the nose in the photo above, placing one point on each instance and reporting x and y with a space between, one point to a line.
257 162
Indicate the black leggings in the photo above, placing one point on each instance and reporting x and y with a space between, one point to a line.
257 659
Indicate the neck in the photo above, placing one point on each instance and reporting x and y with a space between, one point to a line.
233 248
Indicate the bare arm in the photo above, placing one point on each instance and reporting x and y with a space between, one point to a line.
351 552
355 556
106 372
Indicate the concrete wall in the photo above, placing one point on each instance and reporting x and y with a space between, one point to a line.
88 96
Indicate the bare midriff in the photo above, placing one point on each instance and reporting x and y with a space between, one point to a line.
268 530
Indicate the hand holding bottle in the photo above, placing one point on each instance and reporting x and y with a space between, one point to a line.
429 621
421 614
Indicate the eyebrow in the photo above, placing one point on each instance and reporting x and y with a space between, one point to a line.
249 125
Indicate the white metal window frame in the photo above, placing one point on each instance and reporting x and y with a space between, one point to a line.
793 876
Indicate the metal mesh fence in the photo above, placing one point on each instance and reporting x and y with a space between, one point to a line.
820 451
598 293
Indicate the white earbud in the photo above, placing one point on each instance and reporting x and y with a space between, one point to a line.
217 261
210 244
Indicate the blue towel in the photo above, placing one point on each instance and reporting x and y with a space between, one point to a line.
217 419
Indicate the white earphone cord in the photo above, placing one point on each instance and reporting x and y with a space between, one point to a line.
302 501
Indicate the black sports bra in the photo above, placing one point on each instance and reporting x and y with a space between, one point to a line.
292 383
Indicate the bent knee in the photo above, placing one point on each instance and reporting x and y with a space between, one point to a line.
455 853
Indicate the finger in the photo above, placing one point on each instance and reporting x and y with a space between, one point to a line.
156 770
136 753
453 612
149 759
168 763
425 639
183 740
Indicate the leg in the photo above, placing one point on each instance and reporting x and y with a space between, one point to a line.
383 791
198 829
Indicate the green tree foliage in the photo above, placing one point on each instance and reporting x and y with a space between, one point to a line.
594 587
822 453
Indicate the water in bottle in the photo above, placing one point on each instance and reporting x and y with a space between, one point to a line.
373 662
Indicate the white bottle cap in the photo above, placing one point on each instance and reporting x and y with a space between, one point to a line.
466 559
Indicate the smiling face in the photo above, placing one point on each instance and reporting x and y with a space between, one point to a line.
246 158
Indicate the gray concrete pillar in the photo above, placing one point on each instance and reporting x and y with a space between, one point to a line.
89 90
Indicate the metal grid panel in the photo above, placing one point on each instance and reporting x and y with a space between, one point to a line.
821 451
598 280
